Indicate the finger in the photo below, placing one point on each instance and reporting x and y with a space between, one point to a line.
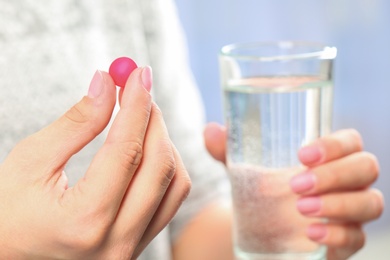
331 147
120 94
177 192
357 206
105 183
135 104
215 141
150 183
342 240
356 171
52 147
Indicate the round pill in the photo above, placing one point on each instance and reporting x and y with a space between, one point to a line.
120 69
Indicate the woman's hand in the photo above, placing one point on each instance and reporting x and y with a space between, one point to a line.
336 185
132 189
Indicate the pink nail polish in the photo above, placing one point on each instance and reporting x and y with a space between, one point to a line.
309 205
316 232
147 78
310 154
303 182
96 86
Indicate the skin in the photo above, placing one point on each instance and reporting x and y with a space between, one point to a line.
137 181
340 172
132 189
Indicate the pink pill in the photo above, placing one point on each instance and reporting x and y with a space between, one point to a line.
120 69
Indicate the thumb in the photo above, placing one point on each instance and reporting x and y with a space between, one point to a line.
50 148
215 141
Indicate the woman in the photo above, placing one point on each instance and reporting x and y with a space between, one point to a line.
115 204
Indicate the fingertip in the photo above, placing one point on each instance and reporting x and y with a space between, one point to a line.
101 86
311 154
310 206
107 77
215 140
378 203
97 85
213 130
147 78
137 88
358 138
317 232
303 183
142 76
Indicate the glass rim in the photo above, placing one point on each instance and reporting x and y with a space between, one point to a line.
324 51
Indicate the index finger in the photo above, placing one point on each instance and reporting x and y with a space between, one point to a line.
112 169
339 144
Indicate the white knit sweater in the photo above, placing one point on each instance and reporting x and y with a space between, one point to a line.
49 51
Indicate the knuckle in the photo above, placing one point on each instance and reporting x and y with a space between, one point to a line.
80 118
78 114
329 178
123 250
360 240
343 238
335 208
168 170
355 133
182 188
167 167
166 176
84 237
182 178
156 109
130 154
185 185
346 141
352 237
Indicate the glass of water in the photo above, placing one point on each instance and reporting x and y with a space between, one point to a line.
277 98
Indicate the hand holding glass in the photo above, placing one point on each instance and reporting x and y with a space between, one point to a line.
277 98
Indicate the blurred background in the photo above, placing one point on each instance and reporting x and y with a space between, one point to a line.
360 31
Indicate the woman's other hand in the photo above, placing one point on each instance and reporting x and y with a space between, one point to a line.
336 186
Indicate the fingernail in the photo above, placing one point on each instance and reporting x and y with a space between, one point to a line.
303 182
147 78
309 205
96 86
316 232
310 154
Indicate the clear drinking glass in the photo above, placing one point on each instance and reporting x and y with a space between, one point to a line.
277 98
